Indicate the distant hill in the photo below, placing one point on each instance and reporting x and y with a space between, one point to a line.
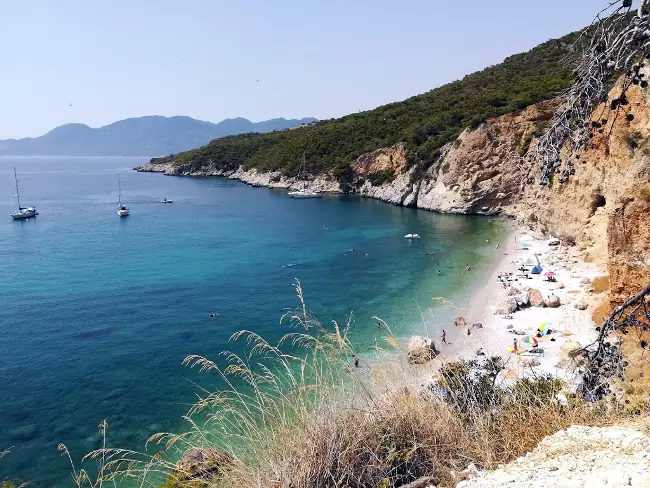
143 136
423 123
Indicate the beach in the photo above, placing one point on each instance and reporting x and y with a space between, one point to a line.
568 326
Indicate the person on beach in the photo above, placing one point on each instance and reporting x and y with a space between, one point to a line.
514 345
497 247
444 337
356 361
469 332
438 272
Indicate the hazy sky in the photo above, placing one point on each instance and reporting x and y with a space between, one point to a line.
113 59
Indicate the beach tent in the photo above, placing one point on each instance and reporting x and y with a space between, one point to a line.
537 269
532 260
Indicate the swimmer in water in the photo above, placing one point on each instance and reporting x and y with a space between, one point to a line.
214 315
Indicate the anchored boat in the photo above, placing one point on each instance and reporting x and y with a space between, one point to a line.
22 212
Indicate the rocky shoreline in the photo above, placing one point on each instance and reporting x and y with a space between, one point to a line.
401 191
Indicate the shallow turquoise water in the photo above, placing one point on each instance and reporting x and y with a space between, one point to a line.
97 312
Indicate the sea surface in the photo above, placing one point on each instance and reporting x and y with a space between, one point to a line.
97 312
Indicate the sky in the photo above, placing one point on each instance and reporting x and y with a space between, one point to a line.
98 61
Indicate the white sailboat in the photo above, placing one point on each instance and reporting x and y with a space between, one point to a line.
303 192
22 212
122 210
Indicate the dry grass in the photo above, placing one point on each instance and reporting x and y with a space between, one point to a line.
311 420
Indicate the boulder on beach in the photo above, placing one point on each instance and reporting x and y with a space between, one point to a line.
536 298
509 305
513 290
420 350
581 305
460 322
553 301
201 463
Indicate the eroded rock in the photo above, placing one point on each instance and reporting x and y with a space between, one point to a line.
420 350
536 298
553 301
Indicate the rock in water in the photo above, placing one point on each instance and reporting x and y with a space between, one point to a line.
536 298
460 322
420 350
201 462
553 302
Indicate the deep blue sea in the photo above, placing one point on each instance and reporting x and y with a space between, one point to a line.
97 312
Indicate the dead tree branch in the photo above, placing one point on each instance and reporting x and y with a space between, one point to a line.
619 44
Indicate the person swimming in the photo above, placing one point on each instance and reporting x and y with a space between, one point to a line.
214 315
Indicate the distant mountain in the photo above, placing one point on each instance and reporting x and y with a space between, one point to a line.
143 136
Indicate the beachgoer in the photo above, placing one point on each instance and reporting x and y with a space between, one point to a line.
468 268
514 344
378 324
497 247
438 272
356 361
444 337
469 332
214 315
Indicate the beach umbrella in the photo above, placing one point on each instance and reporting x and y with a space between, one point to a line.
550 274
529 340
524 245
544 328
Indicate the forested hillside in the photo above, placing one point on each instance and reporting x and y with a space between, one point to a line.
424 122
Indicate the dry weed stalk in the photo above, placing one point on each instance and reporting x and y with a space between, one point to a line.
311 420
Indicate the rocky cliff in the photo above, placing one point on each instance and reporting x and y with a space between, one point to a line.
605 204
479 173
604 207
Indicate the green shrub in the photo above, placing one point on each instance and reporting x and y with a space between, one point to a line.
633 139
525 143
378 178
645 193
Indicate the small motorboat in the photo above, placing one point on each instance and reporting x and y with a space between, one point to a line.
164 200
304 193
412 236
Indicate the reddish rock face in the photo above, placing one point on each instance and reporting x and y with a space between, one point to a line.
628 248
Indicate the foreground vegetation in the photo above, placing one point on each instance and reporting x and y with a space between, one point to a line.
312 419
424 122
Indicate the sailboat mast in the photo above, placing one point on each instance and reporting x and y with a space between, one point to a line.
119 191
17 192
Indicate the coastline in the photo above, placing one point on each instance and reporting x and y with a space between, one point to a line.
400 191
571 327
571 322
